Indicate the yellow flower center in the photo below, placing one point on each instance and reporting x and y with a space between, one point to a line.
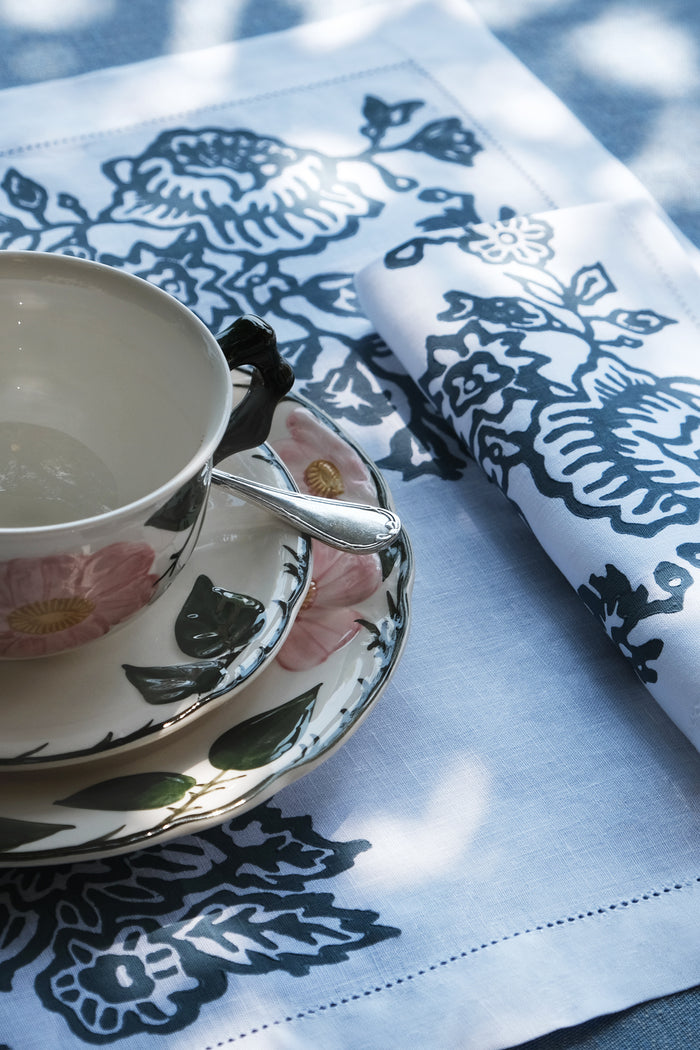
49 616
324 479
310 597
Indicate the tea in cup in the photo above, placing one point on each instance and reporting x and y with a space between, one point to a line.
115 402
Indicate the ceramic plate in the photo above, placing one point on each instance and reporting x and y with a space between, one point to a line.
271 732
206 637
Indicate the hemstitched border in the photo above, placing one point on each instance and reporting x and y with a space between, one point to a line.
457 957
213 107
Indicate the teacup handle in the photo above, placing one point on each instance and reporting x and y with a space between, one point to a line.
251 341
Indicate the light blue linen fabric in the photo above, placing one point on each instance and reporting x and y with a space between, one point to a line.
508 845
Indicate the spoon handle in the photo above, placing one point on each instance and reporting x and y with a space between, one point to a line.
346 526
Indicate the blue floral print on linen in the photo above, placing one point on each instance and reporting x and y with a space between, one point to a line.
142 943
221 218
612 441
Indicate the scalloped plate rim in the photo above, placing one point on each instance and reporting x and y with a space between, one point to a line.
153 731
281 774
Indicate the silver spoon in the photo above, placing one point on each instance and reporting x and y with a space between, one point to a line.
349 527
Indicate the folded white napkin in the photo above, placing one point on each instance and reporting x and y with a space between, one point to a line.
565 350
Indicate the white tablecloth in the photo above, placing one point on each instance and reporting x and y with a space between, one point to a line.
513 833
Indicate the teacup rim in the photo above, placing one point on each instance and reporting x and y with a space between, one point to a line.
195 464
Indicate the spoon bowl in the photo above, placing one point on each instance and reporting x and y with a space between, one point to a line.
351 527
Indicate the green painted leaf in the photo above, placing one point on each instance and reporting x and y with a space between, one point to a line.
297 566
264 737
14 833
136 791
167 685
182 510
387 559
216 623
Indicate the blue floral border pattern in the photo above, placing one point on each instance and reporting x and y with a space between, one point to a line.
142 943
219 218
609 440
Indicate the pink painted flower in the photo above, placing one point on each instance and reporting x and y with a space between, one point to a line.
55 603
327 621
325 465
322 463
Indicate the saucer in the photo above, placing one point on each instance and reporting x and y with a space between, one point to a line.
213 630
235 755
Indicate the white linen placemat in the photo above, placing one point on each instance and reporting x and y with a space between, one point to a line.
508 845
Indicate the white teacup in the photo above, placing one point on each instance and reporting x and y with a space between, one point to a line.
115 401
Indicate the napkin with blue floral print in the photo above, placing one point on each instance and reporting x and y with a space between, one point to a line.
564 349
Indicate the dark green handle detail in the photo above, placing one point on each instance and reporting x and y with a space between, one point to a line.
251 341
